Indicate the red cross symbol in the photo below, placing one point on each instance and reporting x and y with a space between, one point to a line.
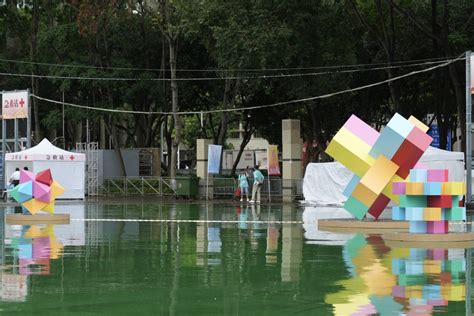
26 157
22 102
71 157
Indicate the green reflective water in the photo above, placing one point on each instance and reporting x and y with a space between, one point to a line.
218 260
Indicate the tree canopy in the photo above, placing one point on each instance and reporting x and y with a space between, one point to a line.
226 55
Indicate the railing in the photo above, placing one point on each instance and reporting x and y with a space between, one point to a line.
137 186
223 187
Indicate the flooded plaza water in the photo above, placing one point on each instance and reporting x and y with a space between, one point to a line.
220 259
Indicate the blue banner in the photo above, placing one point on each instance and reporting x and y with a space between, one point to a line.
434 132
214 155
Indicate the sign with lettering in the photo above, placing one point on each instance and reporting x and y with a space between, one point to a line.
15 105
25 156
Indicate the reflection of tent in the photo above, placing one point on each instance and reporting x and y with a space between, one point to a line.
67 168
324 183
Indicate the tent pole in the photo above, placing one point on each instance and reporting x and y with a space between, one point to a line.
15 146
4 139
468 129
28 122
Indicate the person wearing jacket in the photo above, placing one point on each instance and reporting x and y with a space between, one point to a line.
257 185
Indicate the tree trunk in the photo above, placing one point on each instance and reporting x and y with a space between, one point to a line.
35 81
248 131
172 42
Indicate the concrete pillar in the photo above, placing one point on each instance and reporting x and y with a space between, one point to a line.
291 157
292 245
201 168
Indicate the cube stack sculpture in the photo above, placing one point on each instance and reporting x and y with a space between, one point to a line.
427 278
428 201
377 160
37 192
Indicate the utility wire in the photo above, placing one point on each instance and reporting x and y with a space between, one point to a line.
310 74
407 62
324 96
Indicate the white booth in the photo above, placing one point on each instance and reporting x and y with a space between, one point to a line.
68 168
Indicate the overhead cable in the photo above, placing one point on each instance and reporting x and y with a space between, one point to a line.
309 74
381 64
324 96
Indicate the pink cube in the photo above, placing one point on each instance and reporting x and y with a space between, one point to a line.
362 130
438 175
398 187
437 227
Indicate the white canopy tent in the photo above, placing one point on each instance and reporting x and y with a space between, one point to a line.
324 183
68 168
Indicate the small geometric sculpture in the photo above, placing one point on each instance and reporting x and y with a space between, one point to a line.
377 160
37 192
428 201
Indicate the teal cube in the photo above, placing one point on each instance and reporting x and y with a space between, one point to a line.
455 214
356 207
413 201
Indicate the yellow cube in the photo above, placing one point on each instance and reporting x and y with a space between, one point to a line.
458 188
446 188
414 188
350 151
418 123
364 194
379 174
432 213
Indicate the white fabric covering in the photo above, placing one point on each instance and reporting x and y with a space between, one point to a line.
67 168
324 183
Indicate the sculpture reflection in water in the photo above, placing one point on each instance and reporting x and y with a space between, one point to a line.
390 280
28 252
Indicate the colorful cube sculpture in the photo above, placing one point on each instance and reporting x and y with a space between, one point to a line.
378 160
429 201
37 192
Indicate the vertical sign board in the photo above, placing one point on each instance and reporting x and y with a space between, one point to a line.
214 154
214 159
273 167
15 105
472 73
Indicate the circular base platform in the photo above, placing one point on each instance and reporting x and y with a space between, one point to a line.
450 240
20 219
368 226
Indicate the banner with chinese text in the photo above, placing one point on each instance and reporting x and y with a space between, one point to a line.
15 105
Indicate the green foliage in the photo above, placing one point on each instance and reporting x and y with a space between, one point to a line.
126 39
